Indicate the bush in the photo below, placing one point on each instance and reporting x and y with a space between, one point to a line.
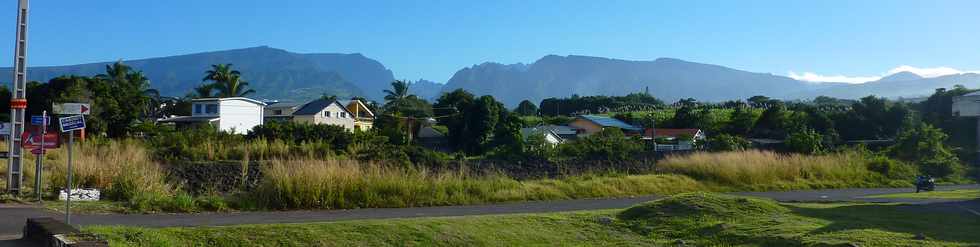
296 133
609 144
726 142
891 168
806 141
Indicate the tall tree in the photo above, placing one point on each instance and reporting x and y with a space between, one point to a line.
119 99
227 81
526 108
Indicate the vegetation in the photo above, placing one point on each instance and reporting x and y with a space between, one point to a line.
762 170
697 219
950 194
330 184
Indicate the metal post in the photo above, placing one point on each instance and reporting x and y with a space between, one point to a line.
71 142
39 163
18 102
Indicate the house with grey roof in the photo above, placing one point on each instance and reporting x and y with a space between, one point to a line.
549 134
280 111
324 111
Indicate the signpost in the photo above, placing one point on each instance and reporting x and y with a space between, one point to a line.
71 109
44 120
5 128
70 124
41 120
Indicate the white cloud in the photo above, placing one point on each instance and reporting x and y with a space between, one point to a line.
927 72
810 76
924 72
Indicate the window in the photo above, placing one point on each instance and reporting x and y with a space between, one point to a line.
277 112
211 109
326 113
197 109
343 115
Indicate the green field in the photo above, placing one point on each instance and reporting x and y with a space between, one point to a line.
952 194
697 219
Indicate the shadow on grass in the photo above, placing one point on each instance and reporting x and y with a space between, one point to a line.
945 221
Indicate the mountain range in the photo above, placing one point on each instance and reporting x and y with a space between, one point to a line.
283 75
273 73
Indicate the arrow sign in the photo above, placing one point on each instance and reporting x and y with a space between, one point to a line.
72 109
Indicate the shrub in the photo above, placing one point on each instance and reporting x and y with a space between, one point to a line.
609 143
806 141
296 133
891 168
925 145
726 142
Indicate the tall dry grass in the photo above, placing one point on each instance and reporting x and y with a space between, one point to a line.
122 169
337 184
764 170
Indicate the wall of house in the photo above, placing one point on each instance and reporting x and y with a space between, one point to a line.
587 126
283 111
239 116
199 108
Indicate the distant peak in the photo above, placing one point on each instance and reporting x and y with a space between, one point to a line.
901 76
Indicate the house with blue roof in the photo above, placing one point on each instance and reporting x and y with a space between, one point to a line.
591 124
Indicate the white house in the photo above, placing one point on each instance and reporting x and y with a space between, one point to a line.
280 111
323 111
550 136
236 115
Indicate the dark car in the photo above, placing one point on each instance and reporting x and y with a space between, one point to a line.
924 183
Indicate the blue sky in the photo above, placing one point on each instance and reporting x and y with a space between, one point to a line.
433 39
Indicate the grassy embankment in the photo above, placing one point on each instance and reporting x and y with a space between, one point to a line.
697 219
951 194
127 174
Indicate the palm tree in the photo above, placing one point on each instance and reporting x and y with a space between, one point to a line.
226 81
399 91
203 91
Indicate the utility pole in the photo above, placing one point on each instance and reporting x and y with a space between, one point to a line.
18 102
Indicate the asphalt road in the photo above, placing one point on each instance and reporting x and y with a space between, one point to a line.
12 217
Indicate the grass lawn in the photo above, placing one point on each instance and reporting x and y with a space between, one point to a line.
951 194
697 219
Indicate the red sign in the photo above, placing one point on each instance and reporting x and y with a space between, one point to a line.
33 140
18 103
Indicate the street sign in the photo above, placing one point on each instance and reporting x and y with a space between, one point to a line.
72 123
5 128
33 140
72 109
36 120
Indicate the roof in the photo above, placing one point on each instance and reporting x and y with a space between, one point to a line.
283 105
766 141
671 132
560 129
314 107
532 130
188 119
609 122
230 98
429 132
